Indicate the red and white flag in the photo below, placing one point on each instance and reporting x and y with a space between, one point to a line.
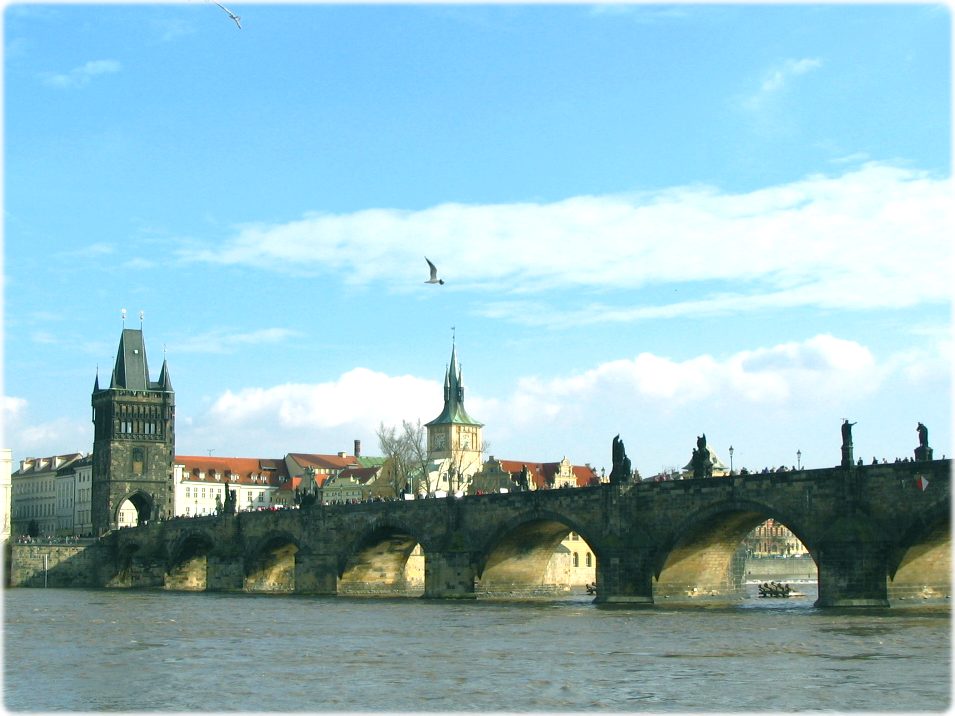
921 482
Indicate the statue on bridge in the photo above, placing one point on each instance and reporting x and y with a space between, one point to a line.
923 452
228 507
701 462
523 480
621 471
846 443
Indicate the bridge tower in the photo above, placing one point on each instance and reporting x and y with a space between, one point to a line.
454 437
134 438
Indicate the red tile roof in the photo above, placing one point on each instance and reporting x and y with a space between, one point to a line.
245 467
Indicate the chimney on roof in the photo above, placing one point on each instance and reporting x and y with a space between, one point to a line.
358 448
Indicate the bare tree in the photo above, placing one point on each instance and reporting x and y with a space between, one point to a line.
398 457
416 439
408 457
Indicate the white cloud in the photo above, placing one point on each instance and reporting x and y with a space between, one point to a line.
40 439
224 341
874 237
776 79
360 397
13 407
82 75
821 368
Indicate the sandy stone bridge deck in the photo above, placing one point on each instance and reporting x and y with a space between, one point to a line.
878 534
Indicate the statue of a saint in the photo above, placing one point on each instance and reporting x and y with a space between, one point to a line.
923 452
523 481
846 443
621 463
847 433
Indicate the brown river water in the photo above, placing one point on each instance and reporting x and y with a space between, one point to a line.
110 650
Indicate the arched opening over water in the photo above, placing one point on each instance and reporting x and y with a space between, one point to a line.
271 567
188 567
920 570
538 557
715 555
388 561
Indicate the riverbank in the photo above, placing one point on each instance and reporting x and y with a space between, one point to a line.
763 569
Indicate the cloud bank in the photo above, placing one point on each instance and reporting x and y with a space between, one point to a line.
875 237
82 75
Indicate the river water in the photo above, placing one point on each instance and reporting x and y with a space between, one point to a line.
110 650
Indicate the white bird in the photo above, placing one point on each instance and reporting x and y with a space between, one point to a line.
434 273
230 14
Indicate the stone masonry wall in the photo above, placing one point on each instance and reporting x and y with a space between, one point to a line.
56 565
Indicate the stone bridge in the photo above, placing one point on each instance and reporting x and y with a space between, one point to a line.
878 534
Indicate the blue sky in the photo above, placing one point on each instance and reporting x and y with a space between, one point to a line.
652 220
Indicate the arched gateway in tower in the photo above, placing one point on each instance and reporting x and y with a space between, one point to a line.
134 439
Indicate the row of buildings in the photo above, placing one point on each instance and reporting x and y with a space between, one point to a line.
54 493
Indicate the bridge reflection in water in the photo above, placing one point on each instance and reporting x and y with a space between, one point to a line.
877 534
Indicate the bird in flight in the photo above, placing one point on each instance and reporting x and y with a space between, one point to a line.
434 273
230 14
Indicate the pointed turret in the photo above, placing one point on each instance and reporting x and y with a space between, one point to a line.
454 412
165 382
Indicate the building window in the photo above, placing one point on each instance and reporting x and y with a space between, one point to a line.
588 560
576 559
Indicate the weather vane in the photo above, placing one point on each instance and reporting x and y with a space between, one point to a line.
123 313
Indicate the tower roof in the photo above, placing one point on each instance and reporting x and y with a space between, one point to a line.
454 412
131 371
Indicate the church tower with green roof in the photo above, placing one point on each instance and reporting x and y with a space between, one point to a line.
454 436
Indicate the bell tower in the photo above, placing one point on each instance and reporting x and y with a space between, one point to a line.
454 436
134 438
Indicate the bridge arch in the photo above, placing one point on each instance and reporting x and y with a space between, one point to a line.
920 563
701 557
270 563
384 559
513 558
187 565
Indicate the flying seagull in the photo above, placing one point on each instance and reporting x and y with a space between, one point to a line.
230 14
434 273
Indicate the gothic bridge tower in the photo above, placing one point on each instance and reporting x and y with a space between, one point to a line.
134 439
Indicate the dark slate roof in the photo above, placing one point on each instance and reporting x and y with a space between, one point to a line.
131 371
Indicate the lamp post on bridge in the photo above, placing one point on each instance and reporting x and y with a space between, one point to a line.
731 459
799 459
